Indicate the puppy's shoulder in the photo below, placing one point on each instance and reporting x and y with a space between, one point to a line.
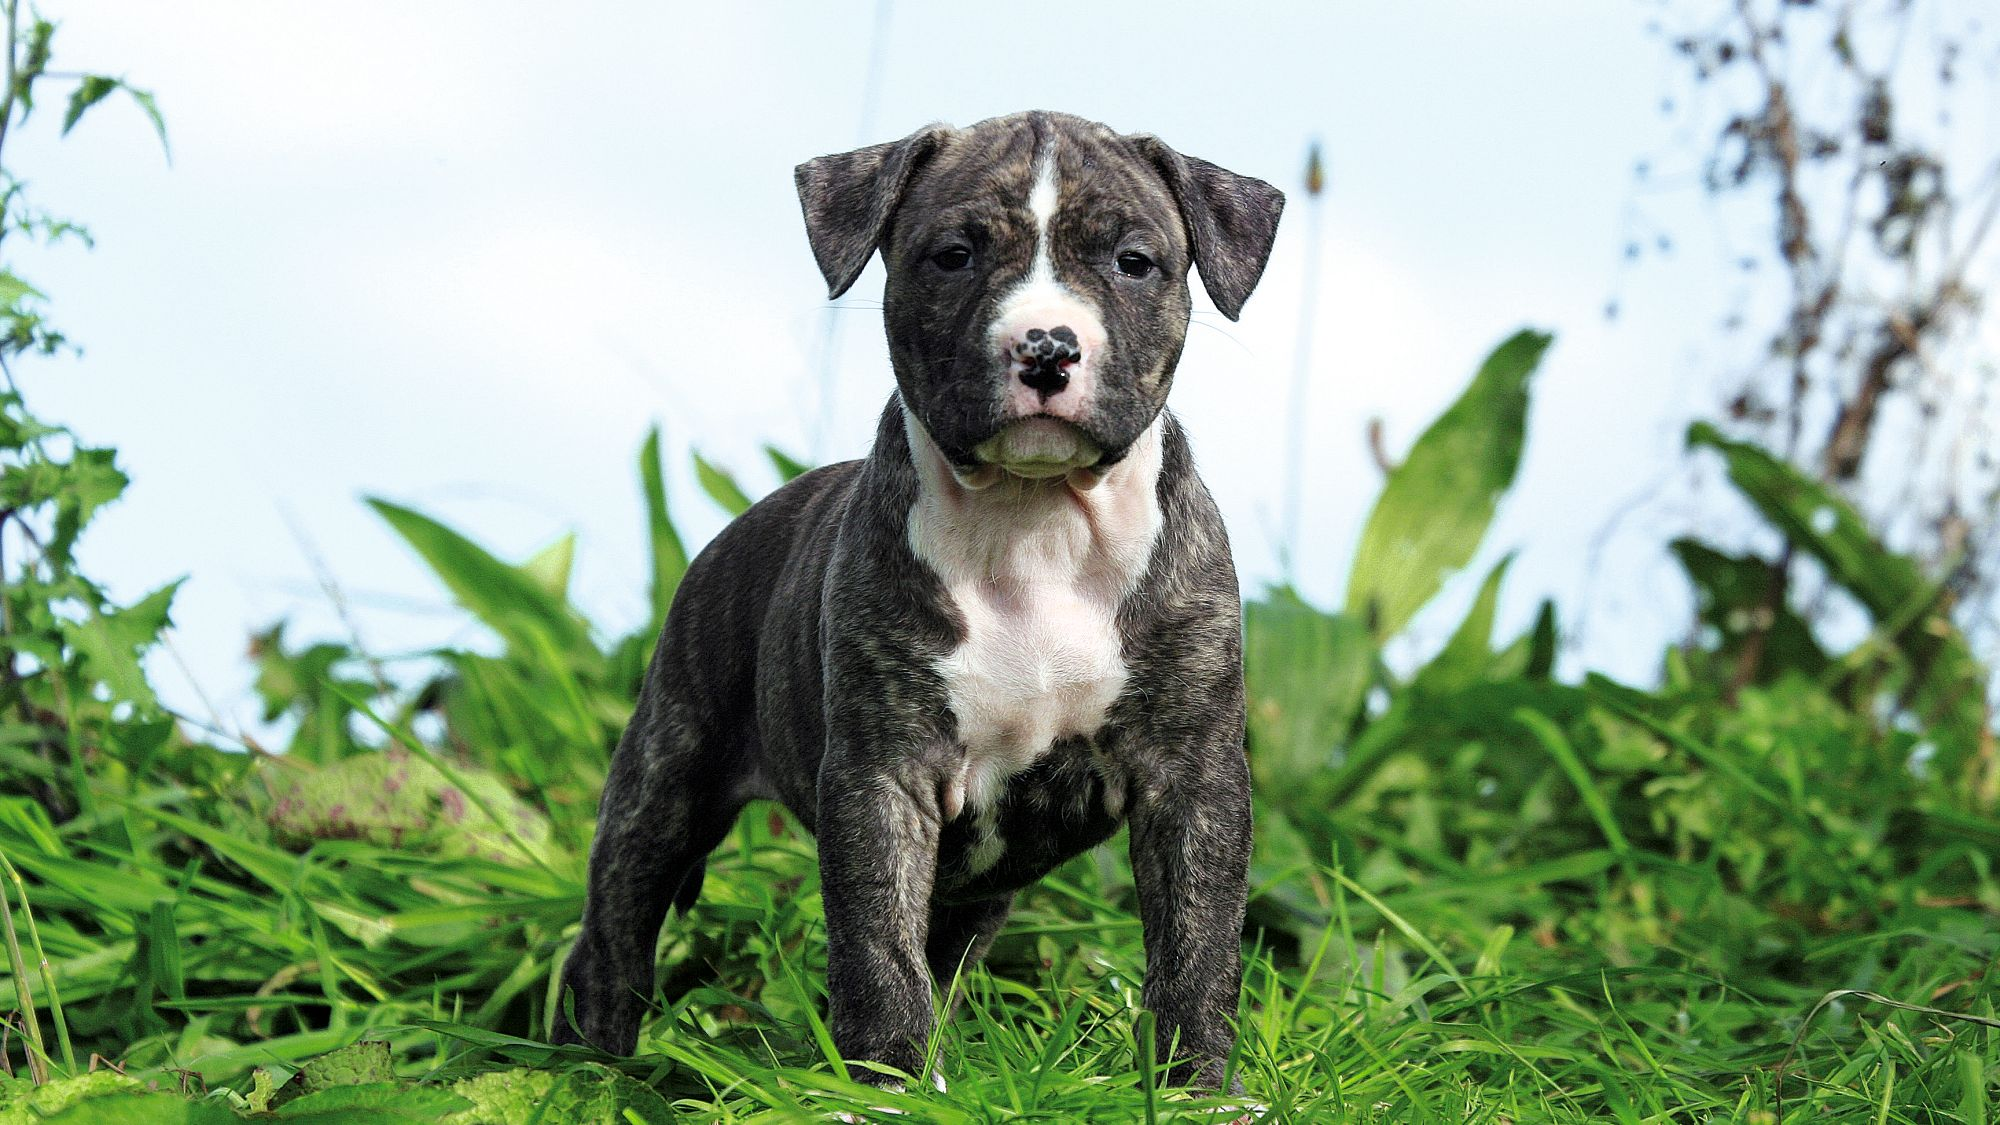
1194 540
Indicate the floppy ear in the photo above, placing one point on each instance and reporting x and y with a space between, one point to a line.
849 196
1231 221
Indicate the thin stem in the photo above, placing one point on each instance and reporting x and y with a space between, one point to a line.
42 964
24 996
7 101
1288 520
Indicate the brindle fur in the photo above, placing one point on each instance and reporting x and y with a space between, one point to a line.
799 661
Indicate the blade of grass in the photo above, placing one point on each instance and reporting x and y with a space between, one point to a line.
416 746
38 1067
1410 933
1558 745
45 970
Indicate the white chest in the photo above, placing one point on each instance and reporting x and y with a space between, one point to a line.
1037 571
1041 661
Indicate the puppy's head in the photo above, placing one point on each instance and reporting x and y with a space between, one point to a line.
1038 295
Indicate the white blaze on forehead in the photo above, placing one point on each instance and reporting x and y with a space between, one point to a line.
1041 300
1042 199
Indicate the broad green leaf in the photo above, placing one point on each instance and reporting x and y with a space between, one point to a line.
369 1103
228 1062
1438 503
93 480
1532 655
151 108
34 63
26 821
92 89
38 1103
88 481
789 468
18 427
670 559
1948 685
13 289
586 1092
368 1061
1306 671
394 799
1468 656
720 486
1732 593
550 567
163 948
111 643
506 599
1972 1084
28 484
1542 639
1825 525
145 1109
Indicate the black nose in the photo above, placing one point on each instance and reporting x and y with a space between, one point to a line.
1043 358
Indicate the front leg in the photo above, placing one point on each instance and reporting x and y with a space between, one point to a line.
1190 850
878 842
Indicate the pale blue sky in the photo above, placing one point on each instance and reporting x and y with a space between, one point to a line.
462 255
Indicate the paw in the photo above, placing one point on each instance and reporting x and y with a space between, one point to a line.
848 1118
1247 1113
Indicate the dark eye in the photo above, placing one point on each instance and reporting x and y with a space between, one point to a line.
951 259
1134 264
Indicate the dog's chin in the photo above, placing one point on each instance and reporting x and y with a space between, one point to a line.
1032 449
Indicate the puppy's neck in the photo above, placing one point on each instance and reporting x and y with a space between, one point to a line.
1001 531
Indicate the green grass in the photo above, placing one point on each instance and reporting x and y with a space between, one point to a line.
1393 1015
1407 1006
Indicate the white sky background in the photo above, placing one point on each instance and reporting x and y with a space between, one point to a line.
462 255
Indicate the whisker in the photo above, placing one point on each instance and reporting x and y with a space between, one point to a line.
1222 332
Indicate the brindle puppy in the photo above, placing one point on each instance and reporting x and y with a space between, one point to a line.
1009 629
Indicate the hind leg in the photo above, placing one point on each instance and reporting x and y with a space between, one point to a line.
666 805
960 935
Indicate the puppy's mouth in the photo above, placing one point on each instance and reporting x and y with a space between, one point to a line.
1038 448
